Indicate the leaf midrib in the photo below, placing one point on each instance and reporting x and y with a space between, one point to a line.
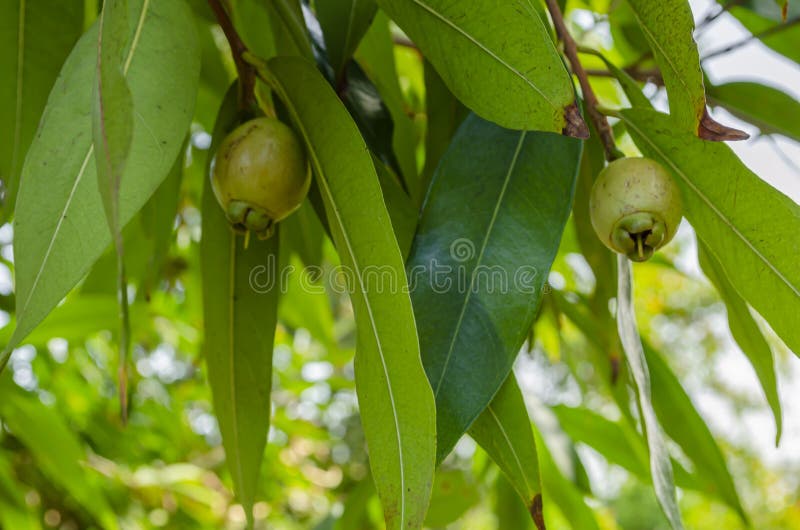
20 75
324 186
485 49
484 244
727 222
517 460
81 172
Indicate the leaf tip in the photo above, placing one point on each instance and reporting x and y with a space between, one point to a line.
575 126
537 512
710 129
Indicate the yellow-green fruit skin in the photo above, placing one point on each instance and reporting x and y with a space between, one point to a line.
635 207
260 175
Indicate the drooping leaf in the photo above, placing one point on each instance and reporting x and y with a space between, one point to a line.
563 493
497 58
35 38
729 206
59 225
376 57
668 26
303 234
396 404
445 113
487 236
240 295
504 432
746 333
58 452
343 23
454 492
684 425
401 211
368 110
660 462
112 109
769 109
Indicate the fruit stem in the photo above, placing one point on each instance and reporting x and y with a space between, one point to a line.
589 97
246 72
639 248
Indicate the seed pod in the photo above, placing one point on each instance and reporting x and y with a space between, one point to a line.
260 175
635 207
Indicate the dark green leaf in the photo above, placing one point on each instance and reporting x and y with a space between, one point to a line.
344 23
487 236
35 38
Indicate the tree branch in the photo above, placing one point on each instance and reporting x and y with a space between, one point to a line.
711 17
766 33
589 97
246 72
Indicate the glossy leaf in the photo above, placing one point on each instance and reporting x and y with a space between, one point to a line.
496 57
769 109
746 333
59 226
487 236
35 38
240 295
660 462
396 404
59 453
504 432
729 208
684 425
344 23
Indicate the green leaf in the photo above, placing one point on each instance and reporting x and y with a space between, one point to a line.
303 234
668 26
684 425
445 113
240 304
504 432
398 204
487 236
454 492
763 17
615 441
746 333
397 408
59 226
376 57
58 452
35 38
496 57
112 112
344 23
769 109
729 206
562 491
660 462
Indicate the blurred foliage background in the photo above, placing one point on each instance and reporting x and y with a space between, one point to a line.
67 462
